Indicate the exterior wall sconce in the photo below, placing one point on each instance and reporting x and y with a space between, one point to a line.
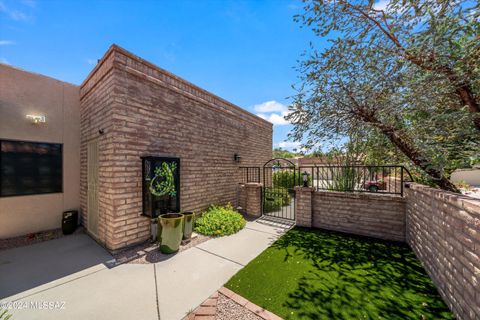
305 178
35 119
236 157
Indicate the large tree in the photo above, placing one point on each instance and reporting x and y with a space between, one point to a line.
441 38
389 73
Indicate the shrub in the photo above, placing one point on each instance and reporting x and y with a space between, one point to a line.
289 179
219 221
271 205
275 198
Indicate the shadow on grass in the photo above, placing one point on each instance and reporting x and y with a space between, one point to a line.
358 278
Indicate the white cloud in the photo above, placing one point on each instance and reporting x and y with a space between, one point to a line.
273 112
381 5
4 61
270 106
13 13
289 145
6 42
92 62
275 118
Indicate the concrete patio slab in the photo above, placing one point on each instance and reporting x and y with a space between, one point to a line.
74 270
124 292
245 245
271 225
189 278
28 269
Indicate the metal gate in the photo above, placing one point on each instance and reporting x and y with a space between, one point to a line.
279 180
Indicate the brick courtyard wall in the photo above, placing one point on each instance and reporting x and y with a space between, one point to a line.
374 215
148 111
443 229
253 199
242 198
303 206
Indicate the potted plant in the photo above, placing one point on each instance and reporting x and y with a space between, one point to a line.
170 232
188 221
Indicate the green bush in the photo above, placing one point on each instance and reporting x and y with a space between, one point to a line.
289 179
275 198
219 221
271 205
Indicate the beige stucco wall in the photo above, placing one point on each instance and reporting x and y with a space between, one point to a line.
470 176
23 93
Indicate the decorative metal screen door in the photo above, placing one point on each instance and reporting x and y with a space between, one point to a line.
92 186
280 178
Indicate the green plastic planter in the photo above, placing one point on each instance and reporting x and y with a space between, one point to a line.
170 232
188 220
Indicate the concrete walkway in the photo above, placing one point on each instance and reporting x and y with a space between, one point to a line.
74 274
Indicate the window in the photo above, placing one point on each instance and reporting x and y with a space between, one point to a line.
30 168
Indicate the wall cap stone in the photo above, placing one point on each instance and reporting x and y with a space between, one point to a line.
303 189
361 195
253 185
467 203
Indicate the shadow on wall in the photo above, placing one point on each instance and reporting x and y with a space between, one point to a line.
354 277
31 266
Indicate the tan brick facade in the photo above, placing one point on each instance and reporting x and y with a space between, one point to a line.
145 110
443 229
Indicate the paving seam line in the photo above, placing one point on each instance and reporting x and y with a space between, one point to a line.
156 290
273 234
222 257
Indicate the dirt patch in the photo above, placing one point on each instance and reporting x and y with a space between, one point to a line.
150 252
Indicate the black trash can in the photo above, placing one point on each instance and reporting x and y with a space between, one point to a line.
69 221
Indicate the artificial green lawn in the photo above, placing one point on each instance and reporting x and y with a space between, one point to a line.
316 274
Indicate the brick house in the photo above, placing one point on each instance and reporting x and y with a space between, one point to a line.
126 109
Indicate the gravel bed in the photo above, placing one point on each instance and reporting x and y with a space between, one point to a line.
33 238
150 253
227 309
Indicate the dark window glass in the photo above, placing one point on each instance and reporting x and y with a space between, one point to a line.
30 168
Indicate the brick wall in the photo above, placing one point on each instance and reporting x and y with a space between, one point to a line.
303 206
253 199
148 111
444 231
374 215
96 108
442 228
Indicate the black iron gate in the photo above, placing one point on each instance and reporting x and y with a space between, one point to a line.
280 177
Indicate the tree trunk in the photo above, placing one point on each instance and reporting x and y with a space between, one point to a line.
409 150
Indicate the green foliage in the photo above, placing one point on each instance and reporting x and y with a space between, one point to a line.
282 153
405 80
275 198
285 179
343 179
315 274
219 221
288 179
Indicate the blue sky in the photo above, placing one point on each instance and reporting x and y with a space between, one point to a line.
243 51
